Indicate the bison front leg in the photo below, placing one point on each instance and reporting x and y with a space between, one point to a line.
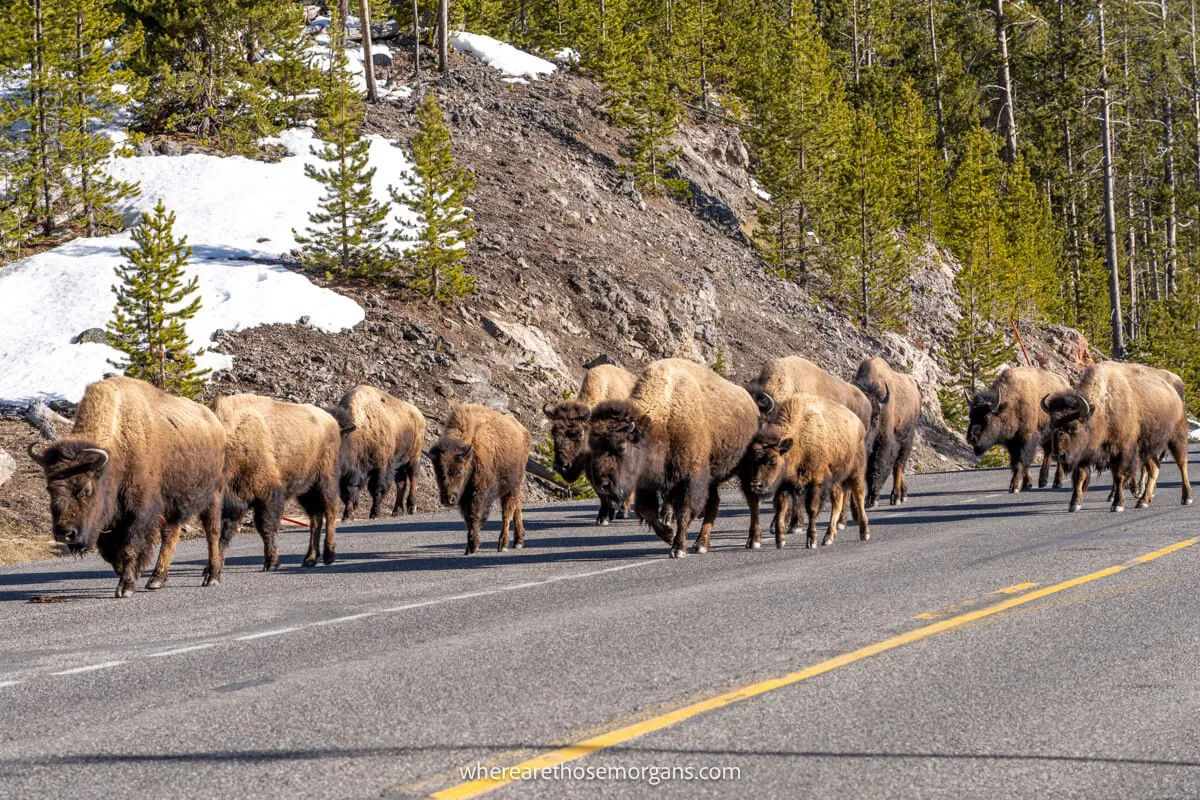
379 483
605 514
754 501
509 506
857 488
474 506
266 521
1079 484
779 523
1179 452
648 509
626 507
812 505
137 540
213 533
711 505
688 497
1151 474
1120 476
166 551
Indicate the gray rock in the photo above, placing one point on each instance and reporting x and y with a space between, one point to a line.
143 149
169 147
8 467
381 58
92 336
304 320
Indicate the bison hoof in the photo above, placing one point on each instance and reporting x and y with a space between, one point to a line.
864 536
329 558
1187 501
311 561
503 548
518 545
124 591
841 526
1075 507
698 550
810 544
825 542
678 553
1117 508
753 545
603 523
210 581
1142 503
156 583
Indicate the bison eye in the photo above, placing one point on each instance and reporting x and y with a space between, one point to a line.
84 492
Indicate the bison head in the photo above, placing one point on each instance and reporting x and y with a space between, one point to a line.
878 396
569 430
453 461
989 423
766 459
618 439
81 501
350 473
1069 413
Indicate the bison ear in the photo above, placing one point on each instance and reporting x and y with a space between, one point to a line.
640 427
39 457
550 411
785 445
348 427
94 459
468 451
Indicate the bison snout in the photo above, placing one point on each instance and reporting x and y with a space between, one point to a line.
67 535
449 499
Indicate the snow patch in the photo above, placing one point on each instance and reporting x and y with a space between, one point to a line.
238 215
502 56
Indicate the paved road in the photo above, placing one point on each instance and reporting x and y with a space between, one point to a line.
944 658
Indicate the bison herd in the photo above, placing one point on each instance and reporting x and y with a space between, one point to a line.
140 463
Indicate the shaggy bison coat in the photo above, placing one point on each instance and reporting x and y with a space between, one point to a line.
684 430
813 445
277 451
137 460
481 457
1117 417
384 448
898 400
569 429
1010 413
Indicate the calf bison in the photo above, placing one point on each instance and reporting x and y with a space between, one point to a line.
138 459
815 445
384 448
1010 413
569 429
1117 417
277 451
683 431
481 457
898 401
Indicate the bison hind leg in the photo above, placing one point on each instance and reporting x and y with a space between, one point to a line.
166 550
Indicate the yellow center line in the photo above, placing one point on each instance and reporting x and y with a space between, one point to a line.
562 755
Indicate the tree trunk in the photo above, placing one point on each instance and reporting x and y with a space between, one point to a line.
1168 121
1110 217
1195 90
855 55
343 16
1008 119
937 88
38 82
444 36
416 14
364 23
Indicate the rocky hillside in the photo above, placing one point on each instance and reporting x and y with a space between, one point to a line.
572 263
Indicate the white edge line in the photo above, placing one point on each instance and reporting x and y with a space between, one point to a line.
89 668
180 650
264 634
5 684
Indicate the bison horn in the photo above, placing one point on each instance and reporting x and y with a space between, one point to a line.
765 403
999 399
1045 405
1087 408
887 395
970 398
548 410
39 457
94 452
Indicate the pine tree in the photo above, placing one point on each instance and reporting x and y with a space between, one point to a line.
96 83
436 199
920 179
651 115
347 235
152 306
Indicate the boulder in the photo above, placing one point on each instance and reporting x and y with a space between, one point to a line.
527 338
381 58
92 336
169 147
143 149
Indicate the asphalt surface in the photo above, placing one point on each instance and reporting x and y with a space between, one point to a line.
384 674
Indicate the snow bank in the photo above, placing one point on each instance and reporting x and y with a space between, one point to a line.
502 56
234 211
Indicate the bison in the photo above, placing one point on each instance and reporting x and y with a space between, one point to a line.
569 429
683 431
781 378
277 451
815 445
898 401
1009 413
1117 417
384 448
138 459
481 457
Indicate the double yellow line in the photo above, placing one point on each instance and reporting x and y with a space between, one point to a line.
611 738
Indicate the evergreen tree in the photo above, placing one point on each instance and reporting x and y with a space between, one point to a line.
347 235
95 83
919 173
437 201
152 306
651 115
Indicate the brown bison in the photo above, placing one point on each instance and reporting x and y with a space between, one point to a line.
898 400
781 378
278 451
569 429
384 448
815 445
1010 413
1117 417
684 430
138 459
481 457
